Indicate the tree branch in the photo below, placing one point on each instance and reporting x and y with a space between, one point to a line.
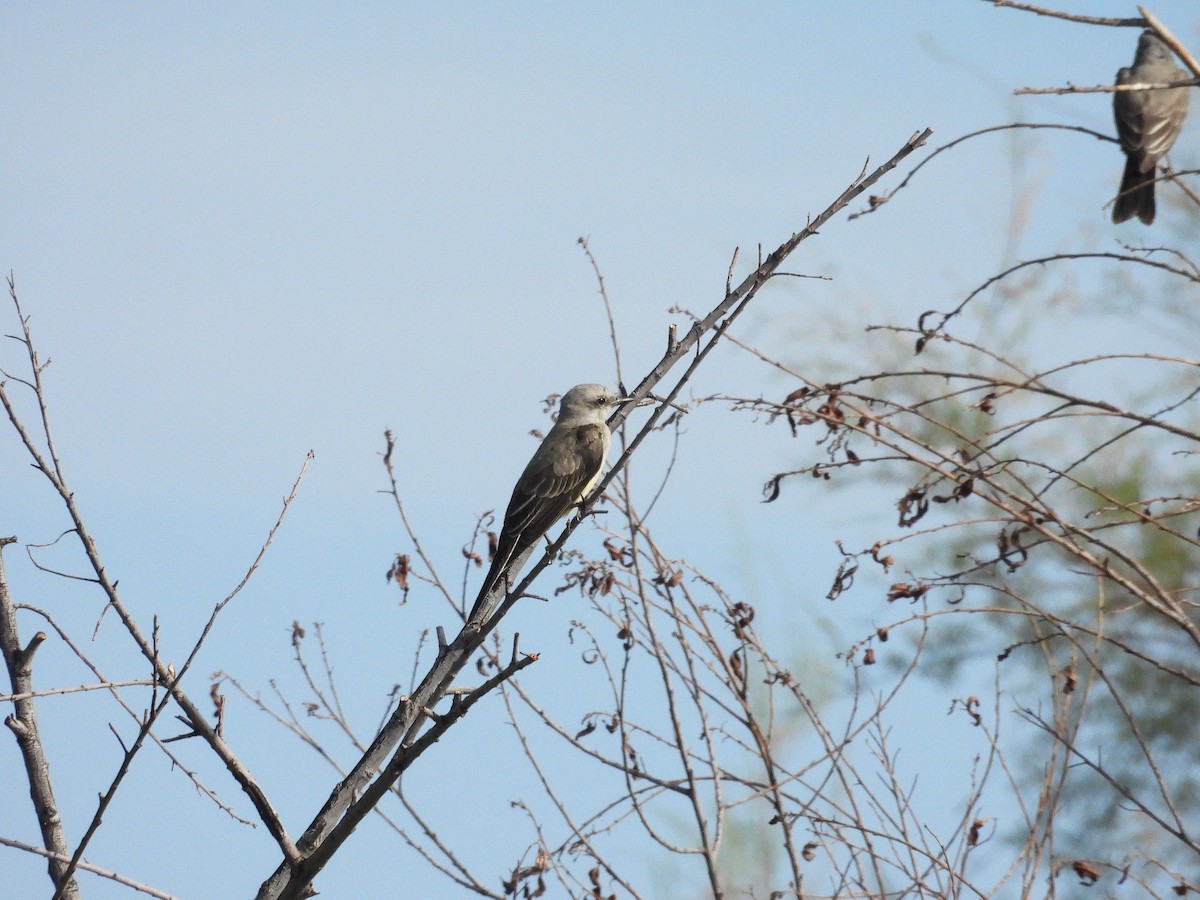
291 879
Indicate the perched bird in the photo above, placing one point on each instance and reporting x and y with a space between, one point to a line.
562 471
1147 124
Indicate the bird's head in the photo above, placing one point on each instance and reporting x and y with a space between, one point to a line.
587 400
1151 48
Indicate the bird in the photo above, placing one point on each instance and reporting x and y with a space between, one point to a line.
560 474
1147 124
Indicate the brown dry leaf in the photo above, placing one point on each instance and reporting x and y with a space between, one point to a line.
973 835
903 589
1086 871
399 571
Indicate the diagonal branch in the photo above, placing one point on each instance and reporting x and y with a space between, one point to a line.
374 772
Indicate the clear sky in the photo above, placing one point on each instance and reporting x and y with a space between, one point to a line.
244 231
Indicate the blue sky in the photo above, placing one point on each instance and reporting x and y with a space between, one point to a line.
248 231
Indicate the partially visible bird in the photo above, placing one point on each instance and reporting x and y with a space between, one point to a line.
1147 124
561 473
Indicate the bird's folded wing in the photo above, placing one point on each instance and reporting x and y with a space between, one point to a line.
555 481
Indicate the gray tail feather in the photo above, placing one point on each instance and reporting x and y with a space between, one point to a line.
503 557
1136 197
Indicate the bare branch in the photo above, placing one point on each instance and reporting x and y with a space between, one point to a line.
1069 17
83 866
24 726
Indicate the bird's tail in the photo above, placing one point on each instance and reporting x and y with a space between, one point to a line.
504 555
1136 197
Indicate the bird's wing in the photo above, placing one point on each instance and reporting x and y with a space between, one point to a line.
1127 112
1149 121
1165 112
554 482
560 473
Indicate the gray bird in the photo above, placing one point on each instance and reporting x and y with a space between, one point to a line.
562 471
1147 124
